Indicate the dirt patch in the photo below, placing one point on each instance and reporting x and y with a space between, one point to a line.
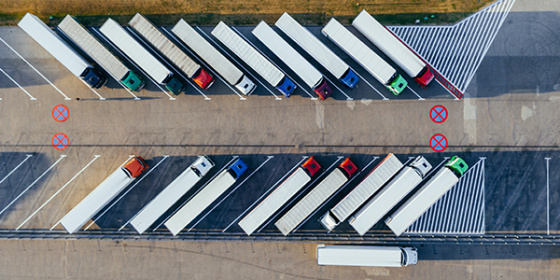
241 11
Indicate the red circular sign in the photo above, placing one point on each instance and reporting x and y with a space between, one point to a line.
438 114
60 141
438 142
60 113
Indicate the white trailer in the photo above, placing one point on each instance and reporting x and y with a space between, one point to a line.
426 196
188 66
378 176
389 44
395 191
367 58
309 74
194 207
213 57
101 55
317 196
254 59
280 196
171 194
103 194
317 50
347 255
139 55
60 50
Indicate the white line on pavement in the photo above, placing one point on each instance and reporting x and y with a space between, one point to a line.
371 86
34 182
45 78
547 196
17 84
57 192
13 170
419 97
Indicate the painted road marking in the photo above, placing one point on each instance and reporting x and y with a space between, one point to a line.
17 84
45 78
32 184
60 141
415 93
438 142
240 184
13 170
267 192
122 55
438 114
547 196
197 191
127 191
57 192
240 65
271 61
370 85
300 192
60 113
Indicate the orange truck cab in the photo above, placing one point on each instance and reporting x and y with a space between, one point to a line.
135 166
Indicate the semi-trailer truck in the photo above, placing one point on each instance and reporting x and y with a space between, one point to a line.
103 194
348 255
377 177
390 195
367 58
280 196
139 55
254 59
100 54
317 50
391 46
188 66
317 196
215 188
213 57
61 50
309 74
427 195
171 194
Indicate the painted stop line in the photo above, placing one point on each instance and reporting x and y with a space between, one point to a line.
60 141
438 142
60 113
438 114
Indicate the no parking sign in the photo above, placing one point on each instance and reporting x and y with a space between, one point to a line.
438 142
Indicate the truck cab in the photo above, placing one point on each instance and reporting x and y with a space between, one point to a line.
425 77
202 165
397 84
287 86
174 86
203 79
348 167
134 167
457 165
409 256
246 86
237 168
94 77
133 82
324 90
350 79
311 166
328 221
421 166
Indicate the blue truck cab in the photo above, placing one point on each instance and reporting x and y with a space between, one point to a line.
237 168
349 79
287 86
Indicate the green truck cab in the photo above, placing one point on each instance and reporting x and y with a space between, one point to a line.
397 84
457 165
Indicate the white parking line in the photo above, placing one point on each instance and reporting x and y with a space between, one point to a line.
267 192
188 80
45 78
344 93
220 202
122 55
127 191
239 64
57 192
271 61
34 182
419 97
13 170
17 84
547 196
94 91
210 69
197 191
300 192
370 85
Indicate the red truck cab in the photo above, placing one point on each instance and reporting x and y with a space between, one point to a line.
425 77
311 166
135 166
324 90
349 167
203 79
